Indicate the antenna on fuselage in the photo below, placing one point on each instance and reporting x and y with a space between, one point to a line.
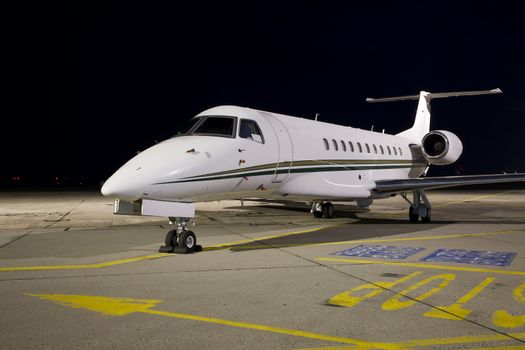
316 115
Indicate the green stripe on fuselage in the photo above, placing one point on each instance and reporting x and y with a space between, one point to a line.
270 169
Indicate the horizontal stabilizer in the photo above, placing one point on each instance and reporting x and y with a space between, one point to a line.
427 183
435 95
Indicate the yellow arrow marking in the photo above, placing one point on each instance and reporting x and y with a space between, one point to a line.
124 306
85 266
105 305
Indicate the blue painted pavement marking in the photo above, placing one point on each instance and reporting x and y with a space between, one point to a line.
471 257
380 251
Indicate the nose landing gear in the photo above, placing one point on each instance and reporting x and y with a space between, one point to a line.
323 210
180 240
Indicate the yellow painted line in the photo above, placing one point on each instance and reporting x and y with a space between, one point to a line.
425 266
457 311
124 306
472 199
255 239
446 341
383 240
85 266
461 340
512 347
461 201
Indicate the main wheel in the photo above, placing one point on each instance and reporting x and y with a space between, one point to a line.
318 214
328 210
171 238
187 240
413 215
428 217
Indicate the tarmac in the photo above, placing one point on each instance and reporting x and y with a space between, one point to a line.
271 276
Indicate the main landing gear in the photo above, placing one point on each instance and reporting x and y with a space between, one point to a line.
180 240
323 210
419 207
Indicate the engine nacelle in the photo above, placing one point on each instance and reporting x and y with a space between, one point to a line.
441 147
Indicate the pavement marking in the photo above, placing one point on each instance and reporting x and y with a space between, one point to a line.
512 347
347 299
251 240
125 306
502 318
380 251
395 303
450 312
447 341
424 266
85 266
475 257
380 240
461 340
461 201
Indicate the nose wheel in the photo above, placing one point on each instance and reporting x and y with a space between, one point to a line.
180 240
323 210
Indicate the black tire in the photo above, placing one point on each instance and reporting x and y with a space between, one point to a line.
171 238
328 210
318 214
426 219
187 240
413 215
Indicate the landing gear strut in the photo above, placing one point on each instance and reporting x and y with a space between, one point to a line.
323 210
180 239
419 207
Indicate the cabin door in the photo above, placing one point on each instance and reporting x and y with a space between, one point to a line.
284 147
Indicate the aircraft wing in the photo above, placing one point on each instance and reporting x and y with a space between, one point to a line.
427 183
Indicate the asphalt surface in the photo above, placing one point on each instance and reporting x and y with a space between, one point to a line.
72 275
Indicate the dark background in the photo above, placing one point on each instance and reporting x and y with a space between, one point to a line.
87 87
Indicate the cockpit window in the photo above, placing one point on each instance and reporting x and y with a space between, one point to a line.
184 128
215 126
250 130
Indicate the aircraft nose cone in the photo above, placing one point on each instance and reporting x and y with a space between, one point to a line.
126 189
107 188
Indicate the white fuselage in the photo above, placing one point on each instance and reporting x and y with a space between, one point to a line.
298 159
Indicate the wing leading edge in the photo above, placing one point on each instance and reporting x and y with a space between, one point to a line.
427 183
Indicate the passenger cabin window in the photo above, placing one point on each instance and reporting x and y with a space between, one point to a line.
326 144
381 148
351 146
250 130
343 145
216 126
335 145
395 152
388 149
360 147
367 148
400 151
375 149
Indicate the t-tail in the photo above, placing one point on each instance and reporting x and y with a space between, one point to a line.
421 125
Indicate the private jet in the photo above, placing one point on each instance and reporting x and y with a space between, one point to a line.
232 152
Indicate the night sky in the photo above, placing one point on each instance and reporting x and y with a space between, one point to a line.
88 87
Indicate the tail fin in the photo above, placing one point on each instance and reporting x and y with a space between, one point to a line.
422 122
